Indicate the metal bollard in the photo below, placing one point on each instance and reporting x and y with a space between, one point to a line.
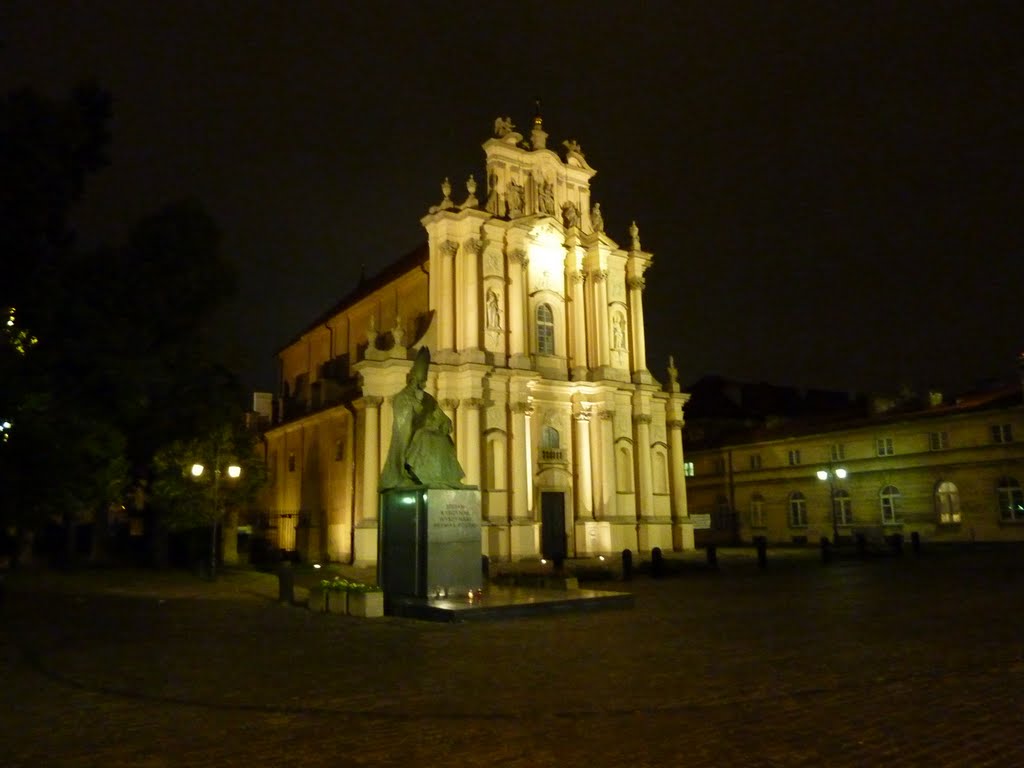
862 545
915 542
762 551
285 583
897 543
485 567
712 553
657 563
826 550
627 565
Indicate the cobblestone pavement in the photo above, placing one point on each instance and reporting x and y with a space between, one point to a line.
911 661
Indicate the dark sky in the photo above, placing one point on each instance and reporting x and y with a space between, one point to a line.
832 190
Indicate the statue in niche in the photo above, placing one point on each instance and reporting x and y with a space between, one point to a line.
503 127
570 215
493 202
514 195
493 310
596 219
619 332
422 453
546 190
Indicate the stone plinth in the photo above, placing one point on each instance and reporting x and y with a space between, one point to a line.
429 542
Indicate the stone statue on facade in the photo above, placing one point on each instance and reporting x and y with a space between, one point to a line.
547 197
596 219
493 311
493 204
514 196
570 215
422 453
503 127
634 234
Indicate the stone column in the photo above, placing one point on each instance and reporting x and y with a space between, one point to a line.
520 454
578 327
517 262
645 482
601 314
469 295
636 324
470 409
386 421
675 459
584 470
609 487
446 296
371 456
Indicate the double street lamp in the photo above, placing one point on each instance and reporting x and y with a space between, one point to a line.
832 474
233 472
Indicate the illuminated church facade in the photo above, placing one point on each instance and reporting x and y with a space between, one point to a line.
534 318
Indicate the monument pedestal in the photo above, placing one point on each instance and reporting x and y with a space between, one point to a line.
429 542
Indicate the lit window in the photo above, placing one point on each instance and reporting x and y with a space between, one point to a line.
841 508
797 510
947 502
757 511
884 446
938 441
838 451
794 457
688 468
755 461
1011 500
550 444
545 330
889 498
1002 433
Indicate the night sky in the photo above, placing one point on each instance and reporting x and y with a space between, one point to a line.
832 190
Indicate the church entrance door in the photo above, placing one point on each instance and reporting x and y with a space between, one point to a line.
552 525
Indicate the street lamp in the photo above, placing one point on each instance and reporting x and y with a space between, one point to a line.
832 474
234 472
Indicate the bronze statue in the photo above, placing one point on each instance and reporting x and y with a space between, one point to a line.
422 453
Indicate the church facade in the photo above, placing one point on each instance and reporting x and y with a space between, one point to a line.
534 319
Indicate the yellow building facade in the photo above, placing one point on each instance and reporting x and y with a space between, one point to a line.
534 319
947 472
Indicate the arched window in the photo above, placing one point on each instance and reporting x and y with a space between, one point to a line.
545 330
1011 500
550 444
757 511
797 510
624 469
889 498
841 508
947 502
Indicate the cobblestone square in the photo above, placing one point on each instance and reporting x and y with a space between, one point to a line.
890 661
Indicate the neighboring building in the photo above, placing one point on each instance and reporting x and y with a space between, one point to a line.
534 318
949 471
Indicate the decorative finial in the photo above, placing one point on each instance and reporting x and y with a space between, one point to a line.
371 333
471 201
446 190
538 138
398 333
596 219
634 233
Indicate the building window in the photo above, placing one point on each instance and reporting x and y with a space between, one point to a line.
688 468
291 462
755 461
841 508
947 502
757 511
1002 433
884 446
889 497
938 441
545 330
794 457
837 452
1011 500
550 444
797 510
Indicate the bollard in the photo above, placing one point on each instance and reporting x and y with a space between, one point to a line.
657 563
485 567
862 545
712 553
915 542
627 565
826 550
896 542
285 583
762 551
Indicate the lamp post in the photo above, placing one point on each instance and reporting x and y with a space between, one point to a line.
233 472
832 474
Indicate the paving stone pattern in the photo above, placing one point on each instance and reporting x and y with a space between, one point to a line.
911 661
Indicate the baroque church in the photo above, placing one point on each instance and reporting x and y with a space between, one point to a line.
534 319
